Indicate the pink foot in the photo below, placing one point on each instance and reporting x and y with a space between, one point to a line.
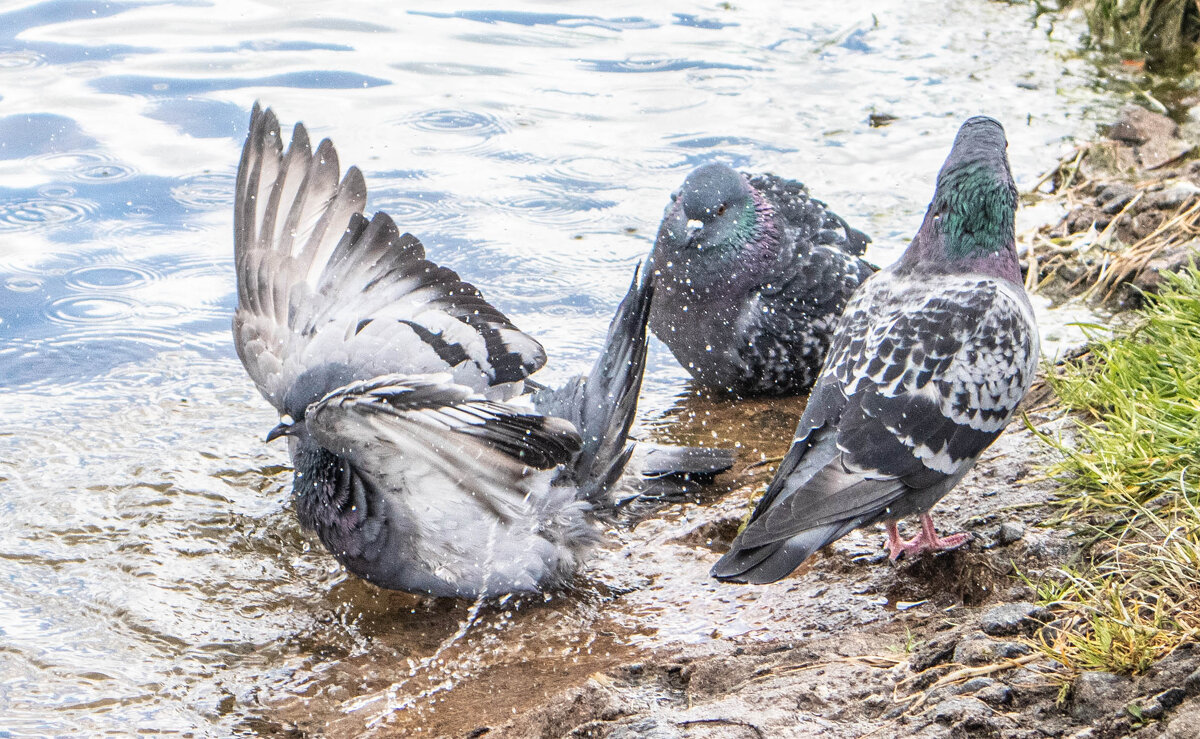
926 541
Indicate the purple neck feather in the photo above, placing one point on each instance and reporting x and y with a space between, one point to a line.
927 253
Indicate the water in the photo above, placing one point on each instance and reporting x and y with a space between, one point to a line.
152 575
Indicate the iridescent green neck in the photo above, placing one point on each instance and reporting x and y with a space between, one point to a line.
976 209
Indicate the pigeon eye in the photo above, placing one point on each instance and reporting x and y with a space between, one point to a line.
721 210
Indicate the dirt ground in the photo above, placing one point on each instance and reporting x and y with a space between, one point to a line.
852 645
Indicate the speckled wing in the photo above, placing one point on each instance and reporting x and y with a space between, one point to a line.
924 374
788 324
812 218
327 296
382 425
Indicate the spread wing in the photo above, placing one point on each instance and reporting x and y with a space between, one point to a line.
920 380
327 296
388 426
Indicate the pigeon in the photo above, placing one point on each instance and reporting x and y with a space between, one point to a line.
750 276
421 461
927 367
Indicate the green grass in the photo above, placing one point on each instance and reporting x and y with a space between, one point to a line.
1131 481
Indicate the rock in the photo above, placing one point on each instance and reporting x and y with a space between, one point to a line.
997 695
1173 259
1155 137
1098 694
933 652
987 651
1083 217
954 710
649 728
1183 724
1010 532
1013 618
1191 684
1158 153
719 676
1114 197
1172 197
1137 126
1170 698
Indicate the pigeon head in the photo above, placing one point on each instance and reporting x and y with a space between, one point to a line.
969 224
714 213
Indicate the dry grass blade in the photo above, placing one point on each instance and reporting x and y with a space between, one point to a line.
967 673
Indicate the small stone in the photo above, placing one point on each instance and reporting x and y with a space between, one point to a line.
976 684
996 695
1171 198
984 651
1010 532
955 710
1098 694
1191 684
933 652
1137 125
1013 618
1170 698
1112 192
1117 202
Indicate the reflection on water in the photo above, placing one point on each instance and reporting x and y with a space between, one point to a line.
152 574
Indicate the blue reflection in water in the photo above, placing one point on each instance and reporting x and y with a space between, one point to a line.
40 133
204 119
133 84
15 22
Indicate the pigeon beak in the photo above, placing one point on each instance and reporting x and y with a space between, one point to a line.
695 224
285 428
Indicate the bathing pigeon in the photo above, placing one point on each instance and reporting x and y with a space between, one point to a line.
750 276
927 367
398 384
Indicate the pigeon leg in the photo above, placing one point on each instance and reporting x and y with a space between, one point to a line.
926 541
896 544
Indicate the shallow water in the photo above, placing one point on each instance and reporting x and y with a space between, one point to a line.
152 574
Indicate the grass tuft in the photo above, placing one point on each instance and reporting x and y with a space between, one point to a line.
1132 481
1163 32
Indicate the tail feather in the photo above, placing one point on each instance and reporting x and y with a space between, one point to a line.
775 561
603 405
700 463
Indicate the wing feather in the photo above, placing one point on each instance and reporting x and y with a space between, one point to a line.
327 295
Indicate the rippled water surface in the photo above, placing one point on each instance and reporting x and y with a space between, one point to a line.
152 575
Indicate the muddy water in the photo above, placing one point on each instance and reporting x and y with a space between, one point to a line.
152 575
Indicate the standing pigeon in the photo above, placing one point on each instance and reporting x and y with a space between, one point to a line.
750 277
927 367
392 377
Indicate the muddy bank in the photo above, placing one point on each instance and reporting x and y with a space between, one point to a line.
853 645
1131 204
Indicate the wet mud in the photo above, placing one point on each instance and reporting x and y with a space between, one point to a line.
647 645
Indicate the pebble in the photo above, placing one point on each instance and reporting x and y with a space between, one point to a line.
984 651
1010 532
1098 694
1013 618
1171 198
